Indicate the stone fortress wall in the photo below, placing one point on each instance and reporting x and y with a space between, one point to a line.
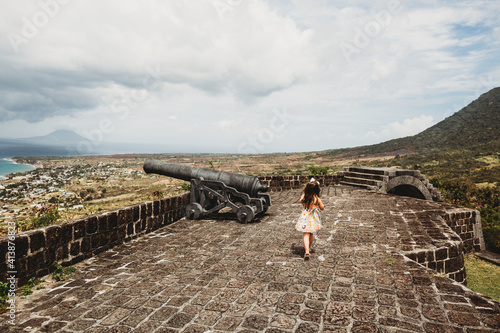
36 251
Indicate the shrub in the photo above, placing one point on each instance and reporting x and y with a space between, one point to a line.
46 216
4 293
484 199
61 273
318 170
490 221
156 195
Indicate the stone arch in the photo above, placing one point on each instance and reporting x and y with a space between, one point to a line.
408 186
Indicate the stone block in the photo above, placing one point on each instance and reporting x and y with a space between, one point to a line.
86 245
453 265
35 263
113 236
4 244
136 212
186 198
421 257
156 207
50 257
91 225
429 256
22 246
468 244
130 229
121 232
138 227
167 204
53 236
124 216
37 240
102 222
74 248
440 266
79 229
112 220
95 241
453 251
412 256
441 254
66 232
460 277
21 266
62 252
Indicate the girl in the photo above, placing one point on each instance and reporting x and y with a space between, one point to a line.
310 220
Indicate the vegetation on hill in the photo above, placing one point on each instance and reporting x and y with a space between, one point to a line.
476 126
465 178
461 157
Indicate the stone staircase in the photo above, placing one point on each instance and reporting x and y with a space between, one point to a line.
368 178
390 180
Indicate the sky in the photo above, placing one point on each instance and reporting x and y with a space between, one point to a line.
242 76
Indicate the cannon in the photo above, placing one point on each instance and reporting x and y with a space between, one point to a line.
212 190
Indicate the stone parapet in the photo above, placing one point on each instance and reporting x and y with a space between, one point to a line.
218 275
390 180
289 182
467 224
438 236
447 260
36 251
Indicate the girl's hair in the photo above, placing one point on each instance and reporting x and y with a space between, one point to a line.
311 190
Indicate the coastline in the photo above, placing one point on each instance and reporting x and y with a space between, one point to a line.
13 161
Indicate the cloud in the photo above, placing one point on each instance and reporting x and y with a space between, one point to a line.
405 128
170 69
248 53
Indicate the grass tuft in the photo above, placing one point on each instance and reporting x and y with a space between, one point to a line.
482 276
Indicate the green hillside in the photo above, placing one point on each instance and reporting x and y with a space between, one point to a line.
460 155
476 126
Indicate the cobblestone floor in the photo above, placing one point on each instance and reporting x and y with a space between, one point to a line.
218 275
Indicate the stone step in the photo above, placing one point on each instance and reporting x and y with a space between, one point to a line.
365 186
365 170
361 181
366 175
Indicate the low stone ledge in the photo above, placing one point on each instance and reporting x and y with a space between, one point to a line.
290 182
438 238
70 242
447 260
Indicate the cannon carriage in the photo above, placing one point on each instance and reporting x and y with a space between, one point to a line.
212 190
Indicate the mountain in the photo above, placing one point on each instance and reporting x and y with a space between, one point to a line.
69 143
56 138
58 143
474 127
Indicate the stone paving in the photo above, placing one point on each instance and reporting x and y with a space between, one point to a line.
216 275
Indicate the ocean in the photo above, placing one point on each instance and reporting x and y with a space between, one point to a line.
9 166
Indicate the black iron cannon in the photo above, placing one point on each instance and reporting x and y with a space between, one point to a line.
212 190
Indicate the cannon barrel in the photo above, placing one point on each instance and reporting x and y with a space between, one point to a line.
243 183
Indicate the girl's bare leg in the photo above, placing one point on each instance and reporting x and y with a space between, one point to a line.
306 242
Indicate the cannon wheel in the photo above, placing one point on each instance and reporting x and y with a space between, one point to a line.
194 211
245 214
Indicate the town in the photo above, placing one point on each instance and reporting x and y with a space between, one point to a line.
75 190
